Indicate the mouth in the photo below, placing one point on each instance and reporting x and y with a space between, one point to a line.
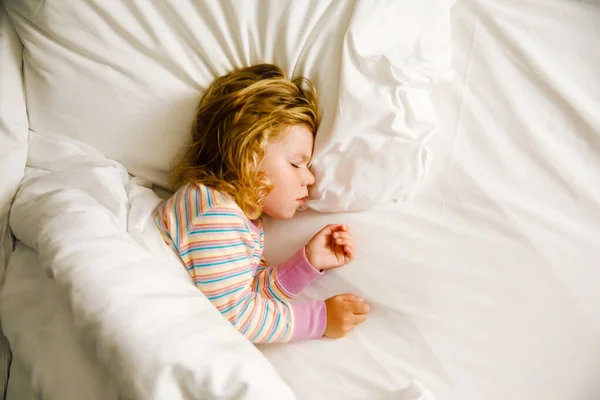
302 200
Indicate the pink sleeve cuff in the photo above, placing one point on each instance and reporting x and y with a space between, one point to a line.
296 273
310 319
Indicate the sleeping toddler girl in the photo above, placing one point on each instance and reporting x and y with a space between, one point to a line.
252 143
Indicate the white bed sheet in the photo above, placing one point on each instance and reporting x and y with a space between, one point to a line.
485 286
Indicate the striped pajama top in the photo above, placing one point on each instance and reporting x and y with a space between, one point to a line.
222 251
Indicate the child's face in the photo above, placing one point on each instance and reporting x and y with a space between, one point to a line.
286 166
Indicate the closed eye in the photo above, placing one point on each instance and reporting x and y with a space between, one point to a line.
294 165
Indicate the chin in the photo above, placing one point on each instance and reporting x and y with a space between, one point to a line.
281 214
287 215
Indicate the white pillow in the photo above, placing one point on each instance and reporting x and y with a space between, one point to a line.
126 77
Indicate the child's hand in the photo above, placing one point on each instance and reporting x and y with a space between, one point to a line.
332 247
344 312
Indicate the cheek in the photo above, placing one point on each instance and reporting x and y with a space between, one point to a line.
280 177
280 193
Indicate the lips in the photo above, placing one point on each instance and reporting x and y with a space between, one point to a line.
302 200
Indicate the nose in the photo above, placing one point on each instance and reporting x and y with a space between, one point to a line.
309 178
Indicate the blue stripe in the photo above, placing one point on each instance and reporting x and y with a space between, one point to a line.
288 325
198 208
270 289
231 307
208 197
221 279
192 232
262 324
186 206
274 329
214 247
256 283
225 214
246 307
225 294
174 205
200 265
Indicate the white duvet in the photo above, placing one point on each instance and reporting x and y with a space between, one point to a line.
134 309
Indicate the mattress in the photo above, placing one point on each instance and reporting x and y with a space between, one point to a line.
485 284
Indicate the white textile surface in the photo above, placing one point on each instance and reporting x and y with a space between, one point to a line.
486 285
41 330
131 301
119 289
126 77
13 150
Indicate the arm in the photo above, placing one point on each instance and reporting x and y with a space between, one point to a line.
218 251
287 280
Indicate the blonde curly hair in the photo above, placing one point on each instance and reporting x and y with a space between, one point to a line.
238 116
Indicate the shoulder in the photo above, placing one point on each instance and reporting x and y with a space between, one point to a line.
199 203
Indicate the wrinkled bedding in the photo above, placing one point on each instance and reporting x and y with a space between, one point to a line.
483 286
130 301
116 305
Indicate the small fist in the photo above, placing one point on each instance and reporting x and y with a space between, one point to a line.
332 247
344 312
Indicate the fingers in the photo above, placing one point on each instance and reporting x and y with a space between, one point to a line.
359 318
348 297
344 313
358 311
342 236
330 228
356 304
345 240
360 307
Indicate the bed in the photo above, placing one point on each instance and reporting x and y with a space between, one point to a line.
483 277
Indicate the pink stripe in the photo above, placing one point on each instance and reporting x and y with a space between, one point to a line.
225 289
274 320
214 242
217 225
209 260
232 301
204 245
224 273
255 318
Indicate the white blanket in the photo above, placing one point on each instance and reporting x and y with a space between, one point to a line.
13 149
137 311
127 295
41 329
